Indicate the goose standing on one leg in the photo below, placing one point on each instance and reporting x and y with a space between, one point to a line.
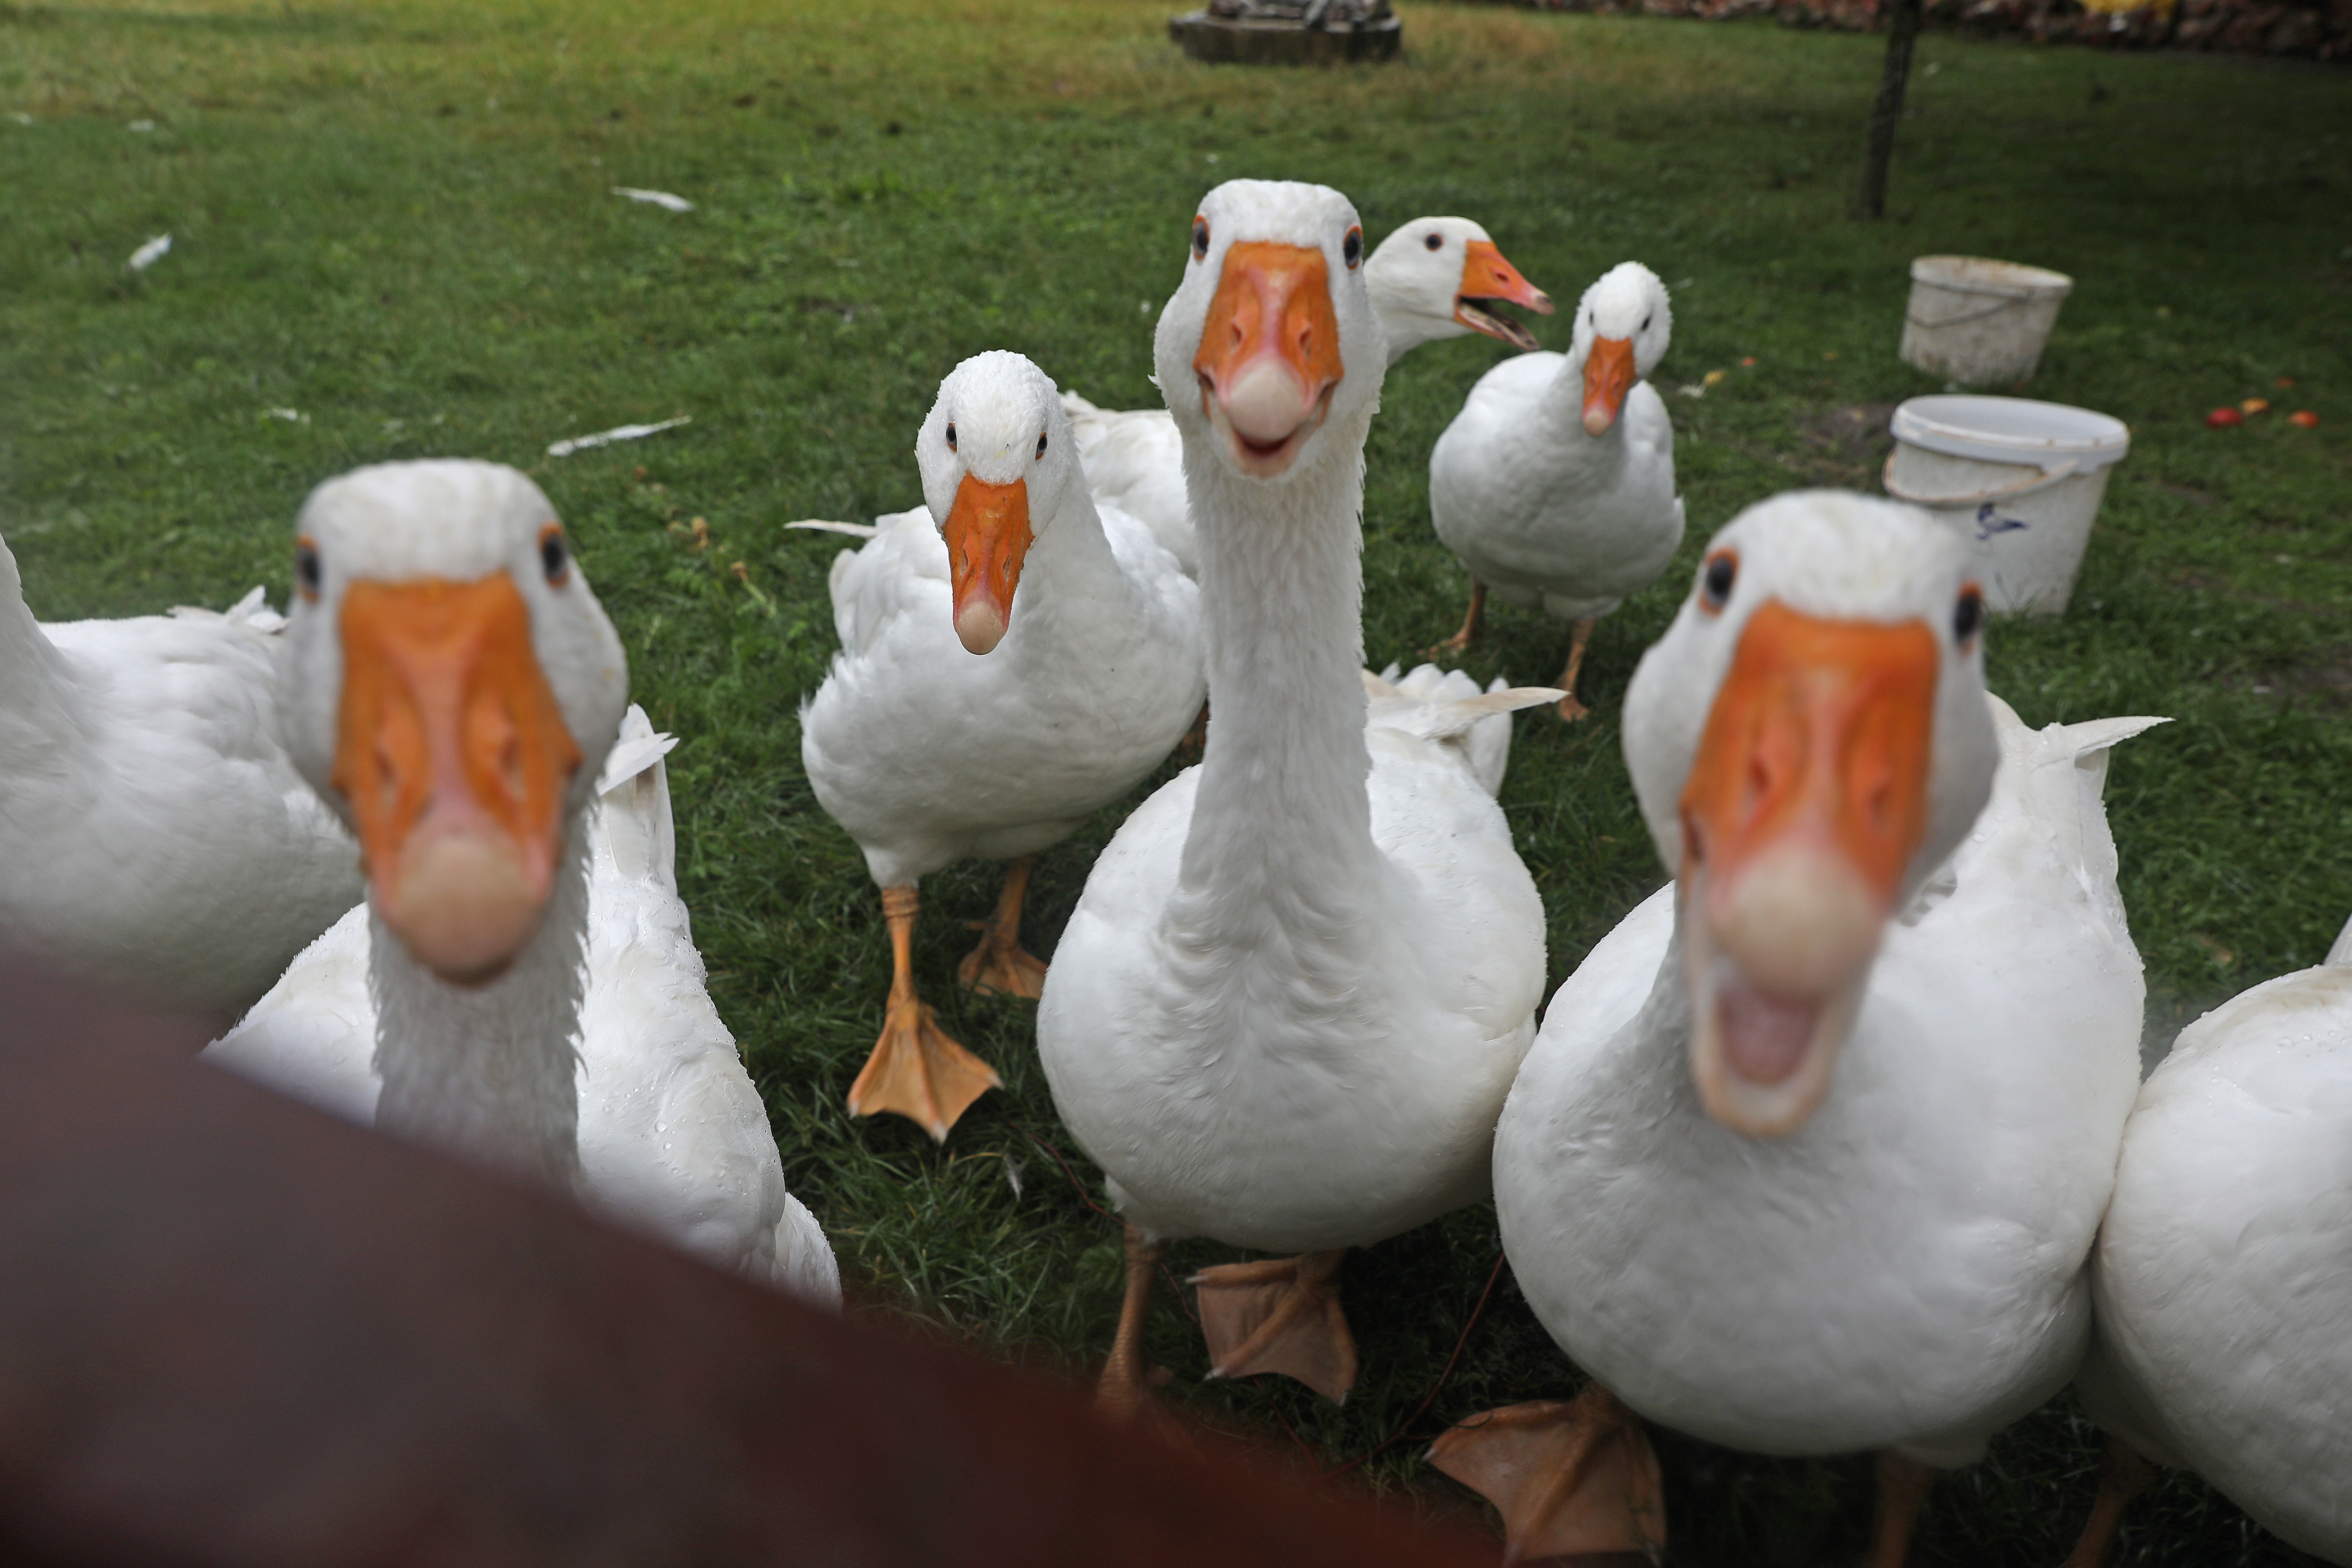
1555 485
521 984
2224 1279
959 722
153 834
1432 279
1294 991
1808 1154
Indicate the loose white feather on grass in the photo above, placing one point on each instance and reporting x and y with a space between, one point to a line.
618 433
657 198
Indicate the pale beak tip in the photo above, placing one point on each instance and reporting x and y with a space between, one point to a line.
1540 304
1597 421
465 907
980 626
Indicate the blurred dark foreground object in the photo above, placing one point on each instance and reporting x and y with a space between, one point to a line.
234 1331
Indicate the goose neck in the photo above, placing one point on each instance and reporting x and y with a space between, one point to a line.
1657 1071
1070 575
1281 820
1404 330
40 699
488 1072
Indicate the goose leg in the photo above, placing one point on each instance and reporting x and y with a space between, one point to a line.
999 964
1903 1488
2123 1475
915 1068
1570 1476
1195 740
1569 708
1125 1391
1472 624
1281 1314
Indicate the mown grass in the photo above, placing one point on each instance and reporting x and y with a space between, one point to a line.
394 221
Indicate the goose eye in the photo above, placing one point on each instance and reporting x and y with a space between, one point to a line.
1968 614
307 573
1041 443
1435 242
1714 580
1645 322
1352 249
554 558
1201 239
952 435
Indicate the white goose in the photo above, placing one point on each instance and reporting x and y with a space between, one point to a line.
152 833
1555 485
1431 279
594 1058
1809 1152
1294 991
2223 1282
952 728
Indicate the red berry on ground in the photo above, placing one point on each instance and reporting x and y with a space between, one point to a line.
2304 417
2223 418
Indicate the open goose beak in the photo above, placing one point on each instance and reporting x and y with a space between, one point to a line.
1807 800
1486 276
455 757
1269 354
1608 378
988 537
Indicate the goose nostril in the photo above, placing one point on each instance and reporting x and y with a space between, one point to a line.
1759 784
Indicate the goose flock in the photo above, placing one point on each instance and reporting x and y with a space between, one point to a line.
1838 1143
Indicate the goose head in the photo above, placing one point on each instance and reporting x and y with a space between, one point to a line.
1622 324
1435 277
1269 350
450 688
1809 741
998 465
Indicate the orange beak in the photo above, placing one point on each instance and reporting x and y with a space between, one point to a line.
455 757
1805 803
1486 276
1608 378
1269 355
988 537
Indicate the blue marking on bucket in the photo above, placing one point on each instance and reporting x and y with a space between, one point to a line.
1989 522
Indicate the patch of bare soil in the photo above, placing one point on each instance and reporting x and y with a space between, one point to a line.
1851 444
2323 680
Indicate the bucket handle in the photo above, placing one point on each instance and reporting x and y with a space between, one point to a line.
2041 481
1992 310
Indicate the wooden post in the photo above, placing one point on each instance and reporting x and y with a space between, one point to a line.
1902 29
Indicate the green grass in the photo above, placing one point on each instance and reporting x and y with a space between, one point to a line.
394 220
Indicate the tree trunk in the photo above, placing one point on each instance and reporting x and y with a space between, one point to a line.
1902 29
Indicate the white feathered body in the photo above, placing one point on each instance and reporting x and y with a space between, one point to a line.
152 833
1134 462
1288 1004
1546 515
1908 1268
2223 1277
1339 1085
928 754
673 1137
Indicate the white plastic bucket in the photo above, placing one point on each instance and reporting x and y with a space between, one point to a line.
2021 481
1980 322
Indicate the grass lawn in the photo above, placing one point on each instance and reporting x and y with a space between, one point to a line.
393 220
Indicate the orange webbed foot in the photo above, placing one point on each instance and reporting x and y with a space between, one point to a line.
1570 1476
1001 968
1280 1314
917 1070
